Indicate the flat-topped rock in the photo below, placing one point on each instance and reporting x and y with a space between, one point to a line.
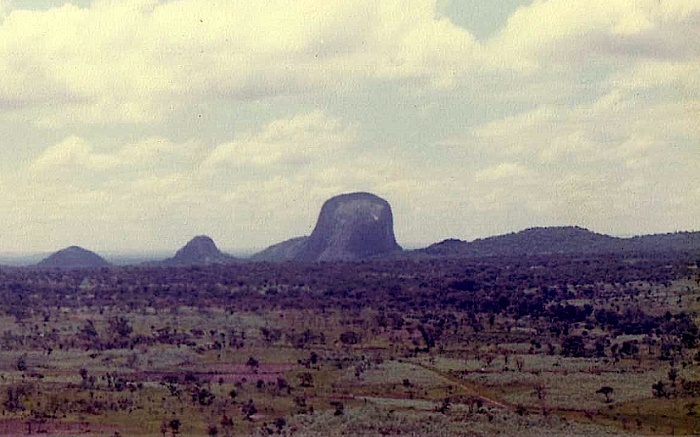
351 227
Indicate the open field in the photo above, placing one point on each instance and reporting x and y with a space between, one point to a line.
560 346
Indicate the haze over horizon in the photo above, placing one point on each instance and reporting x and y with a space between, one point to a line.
134 125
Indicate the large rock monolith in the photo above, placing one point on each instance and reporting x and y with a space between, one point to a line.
351 227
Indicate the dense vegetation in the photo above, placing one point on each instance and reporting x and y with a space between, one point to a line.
302 348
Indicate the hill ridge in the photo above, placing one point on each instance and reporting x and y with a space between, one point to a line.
561 240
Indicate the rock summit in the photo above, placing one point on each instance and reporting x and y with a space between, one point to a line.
73 257
350 227
201 250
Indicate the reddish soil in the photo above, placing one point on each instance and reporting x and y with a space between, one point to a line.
232 373
24 428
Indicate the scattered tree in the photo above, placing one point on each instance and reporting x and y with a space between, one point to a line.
607 392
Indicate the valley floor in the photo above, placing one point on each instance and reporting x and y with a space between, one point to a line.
567 347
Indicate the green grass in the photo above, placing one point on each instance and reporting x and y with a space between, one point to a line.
385 388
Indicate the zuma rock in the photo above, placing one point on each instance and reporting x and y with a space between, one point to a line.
73 257
351 227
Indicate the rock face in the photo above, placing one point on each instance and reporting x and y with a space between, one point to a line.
73 257
351 227
201 250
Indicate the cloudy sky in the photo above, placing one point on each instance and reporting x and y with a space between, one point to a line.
137 124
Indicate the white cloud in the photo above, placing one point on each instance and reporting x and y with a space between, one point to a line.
291 142
552 32
175 117
262 184
679 80
504 170
75 158
133 61
4 9
72 154
613 164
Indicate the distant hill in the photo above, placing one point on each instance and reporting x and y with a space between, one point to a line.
201 250
73 257
675 242
350 227
561 240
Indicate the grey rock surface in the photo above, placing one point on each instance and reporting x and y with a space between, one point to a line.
201 250
351 227
73 257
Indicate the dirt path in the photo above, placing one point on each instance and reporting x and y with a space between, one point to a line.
471 389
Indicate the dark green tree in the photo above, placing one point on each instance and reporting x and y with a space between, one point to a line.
606 391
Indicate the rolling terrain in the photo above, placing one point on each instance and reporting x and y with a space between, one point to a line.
359 226
563 240
562 344
549 331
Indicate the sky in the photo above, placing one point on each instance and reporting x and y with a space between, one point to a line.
134 125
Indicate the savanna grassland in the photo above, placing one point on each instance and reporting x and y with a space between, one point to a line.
540 345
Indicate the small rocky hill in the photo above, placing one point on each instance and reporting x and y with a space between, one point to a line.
350 227
201 250
73 257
